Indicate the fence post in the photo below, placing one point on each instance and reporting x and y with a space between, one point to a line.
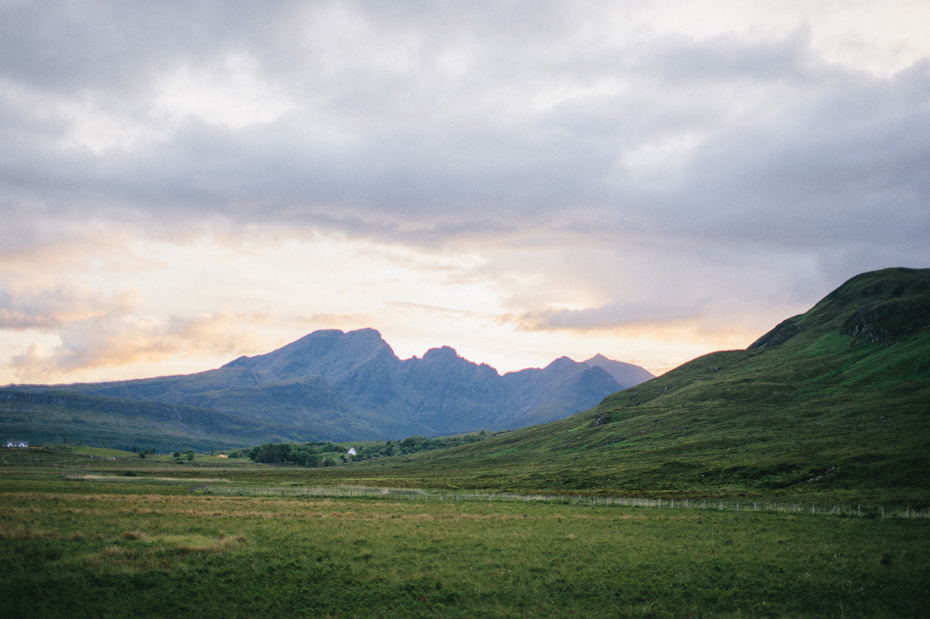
721 505
883 511
813 508
737 506
705 504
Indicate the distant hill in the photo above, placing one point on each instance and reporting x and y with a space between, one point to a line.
331 385
626 374
833 402
56 416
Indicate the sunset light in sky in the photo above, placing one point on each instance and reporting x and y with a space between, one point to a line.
185 183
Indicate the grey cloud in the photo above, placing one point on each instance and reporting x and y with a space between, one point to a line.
726 58
607 317
61 46
427 123
849 168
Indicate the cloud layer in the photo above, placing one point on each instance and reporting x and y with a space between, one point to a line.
579 166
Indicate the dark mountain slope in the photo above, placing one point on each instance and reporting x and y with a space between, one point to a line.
440 393
331 385
555 391
172 389
332 354
839 395
49 416
443 390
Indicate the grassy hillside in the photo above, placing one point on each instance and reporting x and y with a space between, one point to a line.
833 403
54 417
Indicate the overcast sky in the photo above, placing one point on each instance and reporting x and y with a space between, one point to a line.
182 183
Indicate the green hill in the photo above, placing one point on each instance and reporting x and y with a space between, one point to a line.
51 416
832 403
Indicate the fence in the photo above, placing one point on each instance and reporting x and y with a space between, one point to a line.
407 494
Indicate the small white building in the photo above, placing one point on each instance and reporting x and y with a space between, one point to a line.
17 443
352 451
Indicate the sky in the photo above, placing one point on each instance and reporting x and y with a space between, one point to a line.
182 183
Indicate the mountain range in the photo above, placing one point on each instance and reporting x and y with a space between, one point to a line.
328 385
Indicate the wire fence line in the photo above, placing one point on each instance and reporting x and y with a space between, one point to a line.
408 494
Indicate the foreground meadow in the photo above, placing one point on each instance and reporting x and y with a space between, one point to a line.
79 548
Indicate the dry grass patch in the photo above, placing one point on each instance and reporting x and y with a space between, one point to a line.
192 543
133 558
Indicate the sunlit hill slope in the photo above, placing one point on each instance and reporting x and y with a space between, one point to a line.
835 401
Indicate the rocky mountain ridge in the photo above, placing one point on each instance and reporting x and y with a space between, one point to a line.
335 385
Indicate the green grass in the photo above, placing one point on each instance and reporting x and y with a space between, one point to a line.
85 548
99 452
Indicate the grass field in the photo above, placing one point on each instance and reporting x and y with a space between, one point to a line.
76 545
99 452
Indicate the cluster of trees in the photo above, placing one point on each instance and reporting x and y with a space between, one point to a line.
315 454
415 444
309 454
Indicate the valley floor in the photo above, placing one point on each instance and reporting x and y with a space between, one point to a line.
75 544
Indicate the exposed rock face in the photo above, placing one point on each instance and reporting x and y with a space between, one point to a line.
880 306
888 321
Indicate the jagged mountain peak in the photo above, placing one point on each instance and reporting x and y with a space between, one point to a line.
443 352
562 364
626 374
330 353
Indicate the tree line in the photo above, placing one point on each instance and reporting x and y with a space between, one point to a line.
315 453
